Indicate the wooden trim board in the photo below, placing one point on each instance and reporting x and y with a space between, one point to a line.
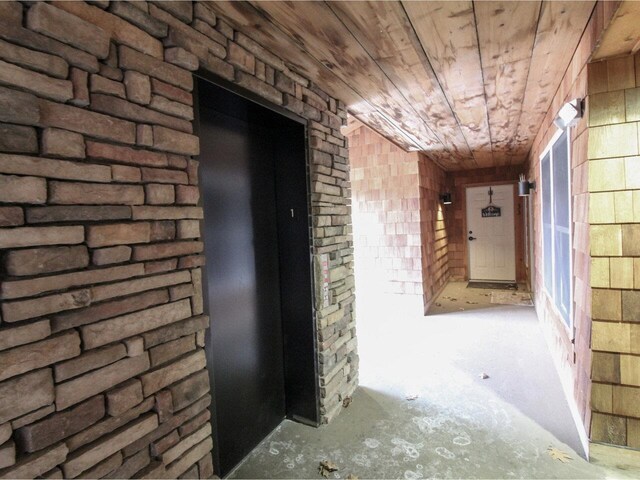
623 460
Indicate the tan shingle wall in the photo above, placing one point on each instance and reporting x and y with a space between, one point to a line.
571 351
614 216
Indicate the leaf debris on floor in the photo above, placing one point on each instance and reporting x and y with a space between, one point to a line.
557 454
483 376
346 402
326 467
412 396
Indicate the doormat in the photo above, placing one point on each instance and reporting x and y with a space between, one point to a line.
493 285
512 298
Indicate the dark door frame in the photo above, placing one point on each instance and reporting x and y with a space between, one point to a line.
247 94
253 97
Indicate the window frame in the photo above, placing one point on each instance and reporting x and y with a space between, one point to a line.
551 295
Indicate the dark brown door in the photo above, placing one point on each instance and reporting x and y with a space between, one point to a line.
241 247
261 344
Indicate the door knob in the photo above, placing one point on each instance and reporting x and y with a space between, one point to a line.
471 238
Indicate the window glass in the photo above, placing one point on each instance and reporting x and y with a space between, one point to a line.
561 183
562 263
561 220
556 225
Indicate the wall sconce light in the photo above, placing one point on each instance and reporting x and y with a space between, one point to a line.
569 114
446 198
525 186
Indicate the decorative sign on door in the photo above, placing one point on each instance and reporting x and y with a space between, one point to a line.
491 210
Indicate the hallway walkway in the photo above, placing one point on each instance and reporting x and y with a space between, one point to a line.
459 425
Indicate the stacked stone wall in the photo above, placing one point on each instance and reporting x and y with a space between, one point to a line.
102 328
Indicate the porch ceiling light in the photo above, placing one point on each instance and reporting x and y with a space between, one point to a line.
446 198
569 115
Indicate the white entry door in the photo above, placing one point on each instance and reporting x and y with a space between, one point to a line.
491 233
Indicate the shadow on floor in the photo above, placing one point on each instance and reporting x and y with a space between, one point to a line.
458 425
507 342
386 436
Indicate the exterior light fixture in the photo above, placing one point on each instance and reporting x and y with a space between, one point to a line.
446 198
569 115
525 186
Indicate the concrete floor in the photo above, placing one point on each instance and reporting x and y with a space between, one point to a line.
459 425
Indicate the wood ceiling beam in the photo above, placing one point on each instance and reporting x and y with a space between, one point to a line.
622 36
352 125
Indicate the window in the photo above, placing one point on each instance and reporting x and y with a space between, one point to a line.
556 223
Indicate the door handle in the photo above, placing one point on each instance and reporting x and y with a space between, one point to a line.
472 238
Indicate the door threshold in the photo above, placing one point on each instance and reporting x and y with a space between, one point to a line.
492 284
490 280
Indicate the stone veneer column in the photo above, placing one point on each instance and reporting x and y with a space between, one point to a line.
102 319
614 215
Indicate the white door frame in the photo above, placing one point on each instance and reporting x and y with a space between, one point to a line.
515 227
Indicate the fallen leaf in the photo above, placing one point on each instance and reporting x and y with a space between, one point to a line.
326 467
438 304
346 402
332 467
483 376
351 476
412 396
557 454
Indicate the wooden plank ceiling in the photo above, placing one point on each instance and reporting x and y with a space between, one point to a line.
466 82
